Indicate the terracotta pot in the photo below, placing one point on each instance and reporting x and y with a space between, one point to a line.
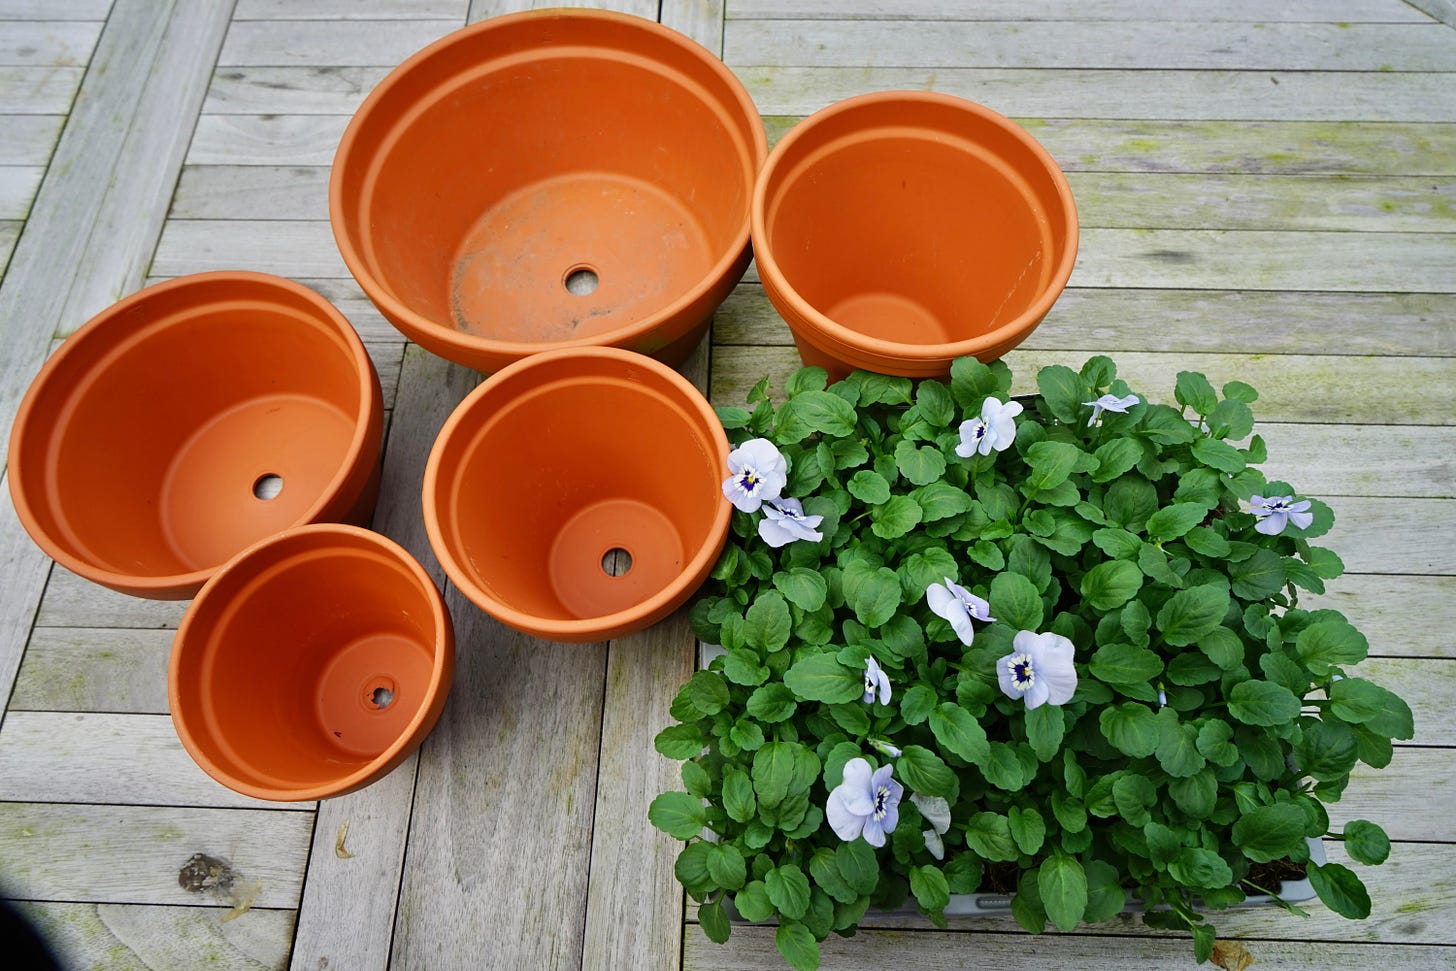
311 665
190 420
550 179
897 231
563 464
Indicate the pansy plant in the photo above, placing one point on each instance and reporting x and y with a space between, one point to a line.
1051 646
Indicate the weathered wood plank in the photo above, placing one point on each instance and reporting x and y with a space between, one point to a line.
481 9
266 139
342 42
29 139
1156 45
351 10
89 757
17 188
85 669
71 601
133 854
1188 321
251 192
1428 685
1315 11
1164 95
1410 798
48 43
131 937
1394 612
286 247
50 10
1292 387
348 911
752 948
1391 460
319 90
9 235
23 569
1394 536
38 90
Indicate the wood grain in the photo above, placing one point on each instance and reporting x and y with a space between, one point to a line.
132 937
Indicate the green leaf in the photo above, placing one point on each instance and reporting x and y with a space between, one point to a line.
1028 829
1063 390
1045 728
1051 463
696 780
927 567
869 487
1134 795
1177 750
820 677
917 703
1330 643
1130 501
691 868
1219 455
1200 868
726 866
922 771
824 868
747 735
802 587
714 922
1362 702
741 666
1109 585
1269 833
1326 750
814 411
739 801
771 703
788 889
1063 886
921 465
679 741
733 417
773 771
895 518
1231 419
1117 543
1009 767
1194 391
1124 664
752 902
935 403
1262 703
1325 564
1366 843
797 946
989 836
1131 728
1116 458
708 692
1171 522
858 865
1163 844
1195 795
677 814
1015 602
1340 889
930 888
1192 613
972 382
1203 540
1261 575
940 500
1223 647
958 732
1105 896
874 596
1215 743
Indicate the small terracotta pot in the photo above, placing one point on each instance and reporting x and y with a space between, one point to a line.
563 464
897 231
311 665
190 420
550 179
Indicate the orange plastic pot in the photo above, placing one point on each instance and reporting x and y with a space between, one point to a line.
190 420
564 470
311 665
550 179
897 231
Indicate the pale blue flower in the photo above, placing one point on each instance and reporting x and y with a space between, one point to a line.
995 429
1039 669
935 811
959 606
1276 512
784 521
1110 402
866 803
875 682
884 747
757 472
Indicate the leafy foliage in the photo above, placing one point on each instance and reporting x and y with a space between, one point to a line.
1213 715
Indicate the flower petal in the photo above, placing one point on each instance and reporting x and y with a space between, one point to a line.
934 810
846 823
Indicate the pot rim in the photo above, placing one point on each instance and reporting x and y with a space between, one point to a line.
315 538
474 346
605 626
826 331
368 425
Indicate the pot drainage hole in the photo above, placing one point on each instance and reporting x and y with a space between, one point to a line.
267 486
581 281
382 697
616 562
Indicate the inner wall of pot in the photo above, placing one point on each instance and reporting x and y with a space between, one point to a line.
548 200
314 667
201 436
582 501
916 239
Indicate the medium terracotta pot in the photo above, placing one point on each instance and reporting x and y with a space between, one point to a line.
550 179
897 231
563 464
190 420
311 665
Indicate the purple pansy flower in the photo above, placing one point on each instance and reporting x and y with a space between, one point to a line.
1276 512
757 472
784 521
995 429
1039 669
866 803
876 682
1110 402
959 606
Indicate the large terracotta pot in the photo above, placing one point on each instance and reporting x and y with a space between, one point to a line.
550 179
311 665
577 495
190 420
897 231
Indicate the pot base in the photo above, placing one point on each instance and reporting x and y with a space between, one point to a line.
575 256
613 555
369 692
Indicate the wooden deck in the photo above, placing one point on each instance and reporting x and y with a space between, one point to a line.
1267 192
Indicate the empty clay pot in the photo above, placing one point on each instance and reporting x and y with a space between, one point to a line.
577 495
897 231
550 179
190 420
311 665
